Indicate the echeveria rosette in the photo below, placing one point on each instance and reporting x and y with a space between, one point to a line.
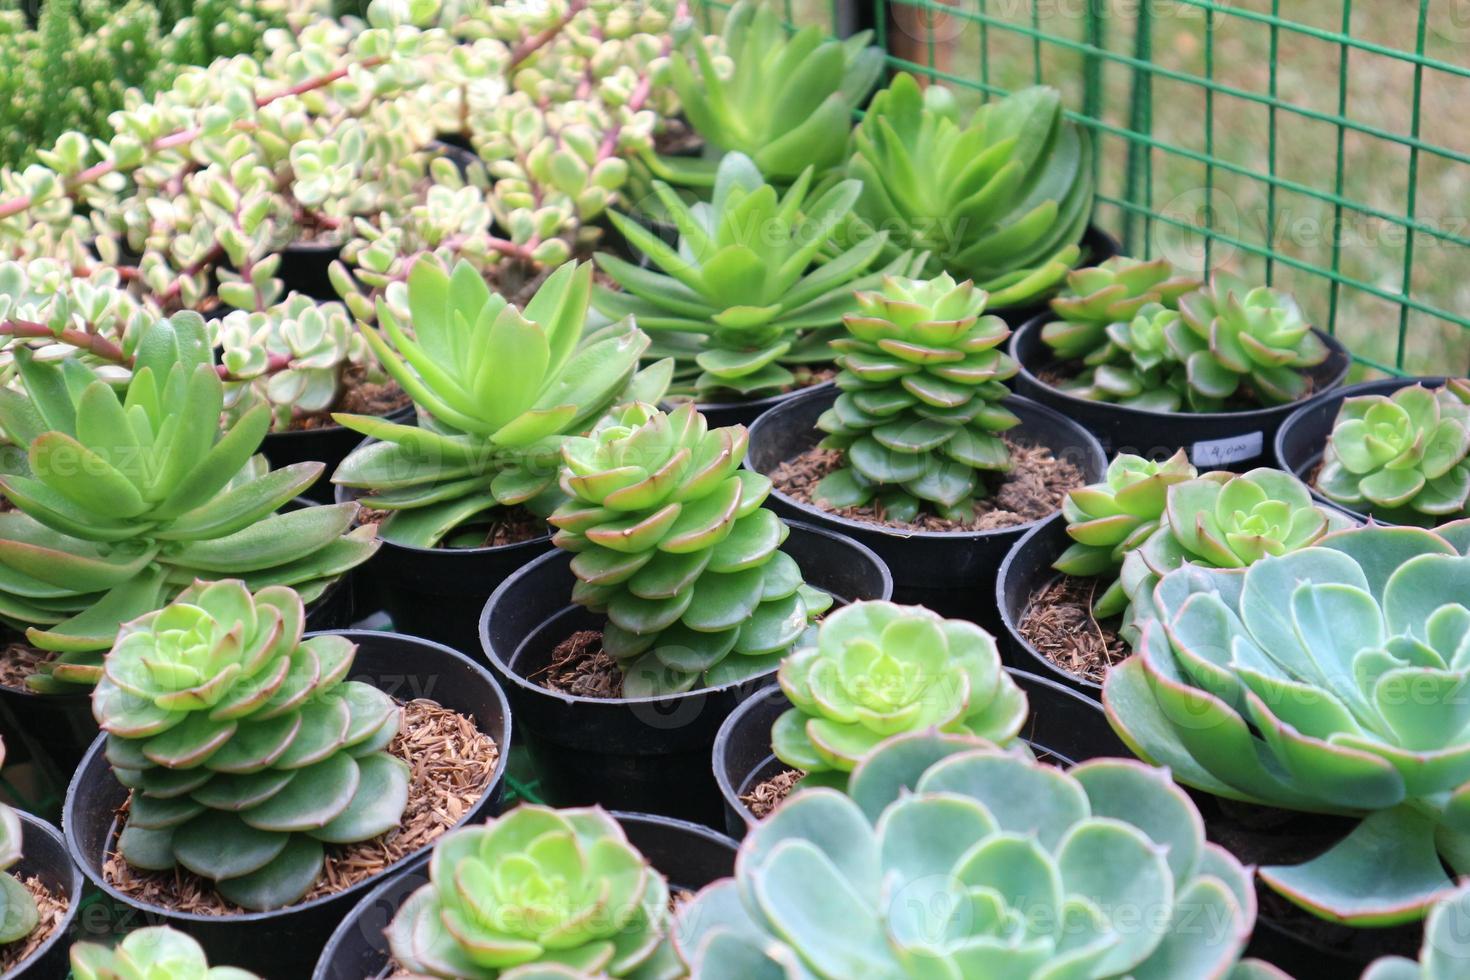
1330 680
672 542
18 913
1230 334
953 858
537 892
1002 200
1107 520
1405 457
742 298
1113 291
123 498
878 670
497 389
1445 954
151 953
1135 366
245 748
919 417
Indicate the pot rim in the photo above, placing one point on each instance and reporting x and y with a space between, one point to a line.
69 815
75 885
1013 628
762 404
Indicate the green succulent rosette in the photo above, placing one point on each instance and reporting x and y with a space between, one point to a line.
150 953
1135 366
671 541
880 669
919 417
124 498
537 893
1445 953
18 912
1114 291
1405 457
1329 679
245 748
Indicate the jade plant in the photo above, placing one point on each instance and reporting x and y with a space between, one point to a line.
1445 953
123 498
1328 680
919 417
151 953
671 540
1114 291
953 858
879 669
245 747
1405 457
1002 200
18 912
537 893
742 299
498 390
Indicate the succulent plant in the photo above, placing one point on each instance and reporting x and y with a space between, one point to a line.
954 858
1445 953
1330 680
1136 367
671 541
785 100
245 748
498 391
1231 335
122 500
1002 200
919 415
43 299
1113 291
18 912
537 892
150 953
742 297
1402 456
879 669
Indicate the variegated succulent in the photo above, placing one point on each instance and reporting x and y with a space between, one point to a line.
1114 291
150 953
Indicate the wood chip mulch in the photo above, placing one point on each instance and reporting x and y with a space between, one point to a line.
359 397
766 796
501 526
1033 488
451 764
581 668
1059 623
19 661
51 910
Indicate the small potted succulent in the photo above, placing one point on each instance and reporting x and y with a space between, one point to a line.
245 772
536 893
154 952
1136 352
686 592
919 451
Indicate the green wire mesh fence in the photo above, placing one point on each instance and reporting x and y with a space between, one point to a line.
1323 147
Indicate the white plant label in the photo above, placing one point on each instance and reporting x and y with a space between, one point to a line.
1221 452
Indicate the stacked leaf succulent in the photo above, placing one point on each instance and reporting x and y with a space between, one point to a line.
953 858
880 669
1113 291
1002 200
498 390
245 748
673 543
1136 367
150 953
18 913
537 892
1330 680
742 300
1445 953
919 416
122 499
1405 457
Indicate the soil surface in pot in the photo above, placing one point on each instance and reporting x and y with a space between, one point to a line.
678 138
19 660
359 397
1033 488
51 909
768 794
494 528
1059 623
580 667
451 762
1058 373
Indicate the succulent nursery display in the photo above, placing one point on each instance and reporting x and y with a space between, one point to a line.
498 391
18 914
952 857
1446 951
1113 291
919 418
537 893
1329 679
1002 200
245 747
1403 457
879 669
671 540
150 953
122 499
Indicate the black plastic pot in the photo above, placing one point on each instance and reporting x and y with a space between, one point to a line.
458 150
688 855
304 269
645 754
44 856
951 572
329 445
1213 440
285 942
1302 438
1064 728
745 413
1097 247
